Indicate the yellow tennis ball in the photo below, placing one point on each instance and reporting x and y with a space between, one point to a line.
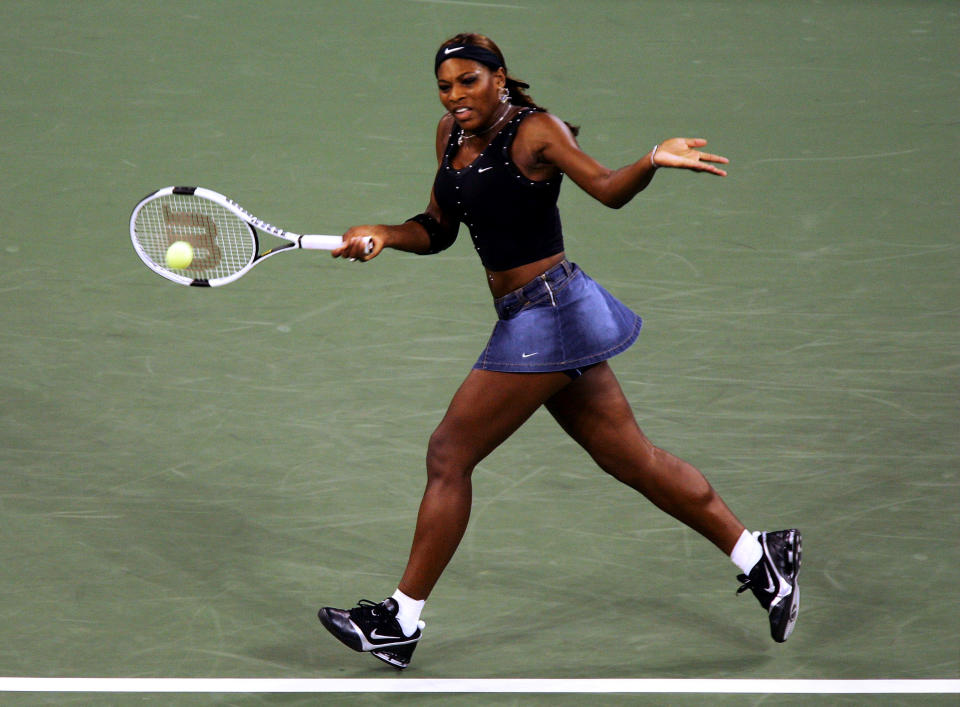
179 255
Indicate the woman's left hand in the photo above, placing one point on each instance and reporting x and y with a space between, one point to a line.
685 153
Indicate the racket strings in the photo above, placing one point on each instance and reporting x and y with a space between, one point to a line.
222 243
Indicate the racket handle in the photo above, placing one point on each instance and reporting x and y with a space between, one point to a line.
321 242
330 243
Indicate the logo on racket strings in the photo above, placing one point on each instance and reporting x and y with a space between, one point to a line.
199 230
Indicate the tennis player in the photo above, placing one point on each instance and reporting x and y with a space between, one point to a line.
501 162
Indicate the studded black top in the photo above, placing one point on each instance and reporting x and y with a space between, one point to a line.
512 220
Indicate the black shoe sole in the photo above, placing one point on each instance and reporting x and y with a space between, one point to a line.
397 656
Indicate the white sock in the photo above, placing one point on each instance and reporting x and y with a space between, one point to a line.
409 614
747 552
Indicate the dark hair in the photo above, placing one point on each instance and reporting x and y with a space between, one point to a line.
516 87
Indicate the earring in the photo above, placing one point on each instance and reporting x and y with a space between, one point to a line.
504 94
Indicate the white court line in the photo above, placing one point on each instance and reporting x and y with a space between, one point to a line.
461 685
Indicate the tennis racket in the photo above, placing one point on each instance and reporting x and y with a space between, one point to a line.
224 236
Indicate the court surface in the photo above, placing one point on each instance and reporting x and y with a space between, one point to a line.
187 475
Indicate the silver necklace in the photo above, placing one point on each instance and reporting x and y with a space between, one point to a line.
464 135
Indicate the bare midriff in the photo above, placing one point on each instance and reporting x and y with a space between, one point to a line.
505 281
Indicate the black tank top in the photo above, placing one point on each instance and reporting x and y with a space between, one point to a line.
512 220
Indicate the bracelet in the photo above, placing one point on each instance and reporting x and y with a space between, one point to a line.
653 154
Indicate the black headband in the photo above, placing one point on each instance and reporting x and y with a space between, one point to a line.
467 51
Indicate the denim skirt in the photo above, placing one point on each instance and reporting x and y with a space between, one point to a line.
559 321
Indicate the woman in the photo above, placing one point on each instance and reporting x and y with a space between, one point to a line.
501 160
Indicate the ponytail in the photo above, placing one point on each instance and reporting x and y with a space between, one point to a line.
520 97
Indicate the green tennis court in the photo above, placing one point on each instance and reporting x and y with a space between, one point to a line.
186 475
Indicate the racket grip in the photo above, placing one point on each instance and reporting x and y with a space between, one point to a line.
330 243
320 242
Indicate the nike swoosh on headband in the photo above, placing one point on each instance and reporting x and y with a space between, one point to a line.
451 50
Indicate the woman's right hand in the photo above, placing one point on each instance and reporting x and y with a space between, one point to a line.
355 243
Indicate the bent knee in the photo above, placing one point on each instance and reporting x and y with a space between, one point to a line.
445 458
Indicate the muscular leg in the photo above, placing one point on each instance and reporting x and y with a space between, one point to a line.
594 411
488 408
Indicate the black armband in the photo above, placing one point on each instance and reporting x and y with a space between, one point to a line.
440 238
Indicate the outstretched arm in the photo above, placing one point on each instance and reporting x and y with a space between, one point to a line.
553 143
409 236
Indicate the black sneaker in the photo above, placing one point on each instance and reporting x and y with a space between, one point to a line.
773 580
373 628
